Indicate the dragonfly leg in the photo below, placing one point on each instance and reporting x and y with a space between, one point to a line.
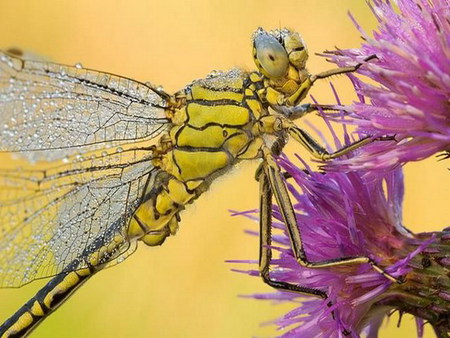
303 90
341 70
265 252
274 125
301 110
278 187
319 152
297 111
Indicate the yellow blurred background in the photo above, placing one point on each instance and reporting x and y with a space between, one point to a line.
184 288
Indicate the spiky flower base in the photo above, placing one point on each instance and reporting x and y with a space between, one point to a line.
426 291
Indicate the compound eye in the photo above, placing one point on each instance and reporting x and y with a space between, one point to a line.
271 56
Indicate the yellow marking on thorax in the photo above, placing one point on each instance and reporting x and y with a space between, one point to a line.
201 93
199 164
253 150
255 107
274 97
211 137
236 143
255 77
231 115
235 83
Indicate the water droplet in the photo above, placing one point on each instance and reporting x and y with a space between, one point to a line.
78 158
212 73
78 65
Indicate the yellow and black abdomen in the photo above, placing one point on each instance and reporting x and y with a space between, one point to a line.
210 133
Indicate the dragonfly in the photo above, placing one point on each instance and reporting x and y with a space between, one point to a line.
107 162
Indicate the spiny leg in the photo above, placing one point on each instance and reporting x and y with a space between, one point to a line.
279 189
281 125
265 252
303 90
301 110
341 70
318 151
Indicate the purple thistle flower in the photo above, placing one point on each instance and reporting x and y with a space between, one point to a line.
346 214
410 96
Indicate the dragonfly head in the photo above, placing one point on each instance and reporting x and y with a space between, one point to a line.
279 54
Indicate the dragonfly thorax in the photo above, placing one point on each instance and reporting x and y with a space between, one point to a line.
215 127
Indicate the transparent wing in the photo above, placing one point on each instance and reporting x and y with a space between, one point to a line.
52 217
68 109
